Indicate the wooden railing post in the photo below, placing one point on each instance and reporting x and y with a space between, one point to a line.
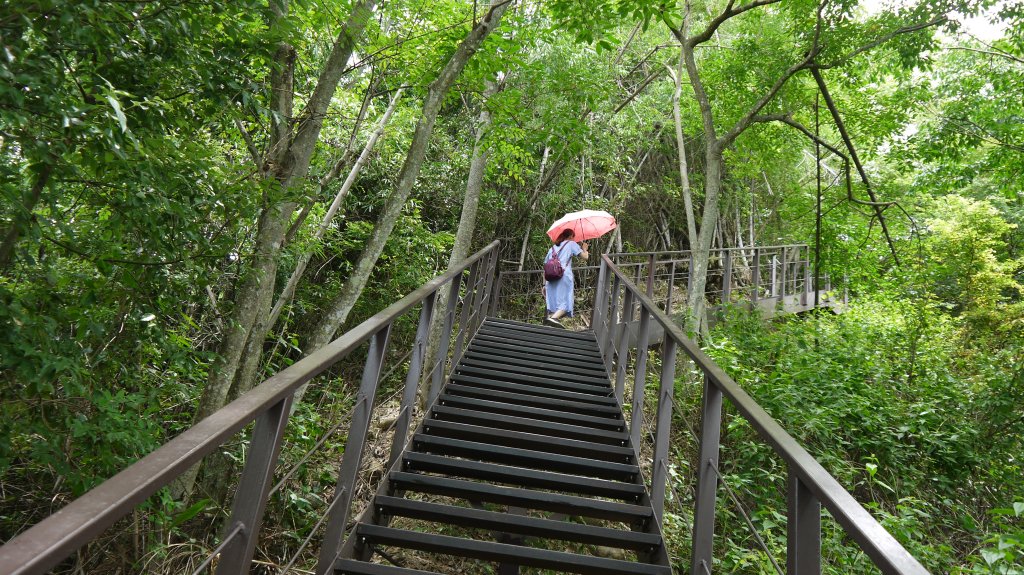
803 527
349 472
664 423
254 489
707 479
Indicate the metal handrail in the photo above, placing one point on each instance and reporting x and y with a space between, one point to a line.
47 543
810 486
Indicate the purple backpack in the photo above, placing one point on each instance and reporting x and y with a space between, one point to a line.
553 268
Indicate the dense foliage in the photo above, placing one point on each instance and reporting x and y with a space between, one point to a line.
147 147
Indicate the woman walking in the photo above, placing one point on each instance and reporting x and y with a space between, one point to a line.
559 292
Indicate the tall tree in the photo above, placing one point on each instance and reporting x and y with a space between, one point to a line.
337 311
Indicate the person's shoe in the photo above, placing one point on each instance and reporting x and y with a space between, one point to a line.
553 322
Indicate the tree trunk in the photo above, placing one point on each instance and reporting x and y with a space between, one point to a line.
288 161
684 175
300 267
467 222
533 205
338 310
28 206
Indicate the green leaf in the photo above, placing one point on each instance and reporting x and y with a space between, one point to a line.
121 119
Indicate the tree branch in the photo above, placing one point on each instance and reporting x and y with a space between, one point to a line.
726 14
883 39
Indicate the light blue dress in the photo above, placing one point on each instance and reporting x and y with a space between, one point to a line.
560 292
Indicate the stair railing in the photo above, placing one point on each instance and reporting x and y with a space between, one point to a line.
269 405
618 303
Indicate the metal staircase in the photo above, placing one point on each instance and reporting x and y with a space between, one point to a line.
523 459
526 437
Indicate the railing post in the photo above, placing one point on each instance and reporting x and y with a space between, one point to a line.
622 353
600 302
807 282
689 280
650 275
707 478
349 472
756 279
726 276
782 276
613 319
445 341
803 549
664 422
254 488
668 296
636 420
485 296
774 292
467 305
485 302
496 301
412 379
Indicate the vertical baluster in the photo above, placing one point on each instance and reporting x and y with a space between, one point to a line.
807 282
492 273
727 276
803 529
622 353
445 340
782 275
496 295
636 420
613 323
707 479
254 488
349 472
756 281
650 275
664 422
600 301
412 378
775 277
466 308
671 278
689 281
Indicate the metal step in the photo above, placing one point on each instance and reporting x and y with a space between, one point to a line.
512 359
526 498
560 344
479 360
503 552
610 411
537 390
550 357
521 524
525 458
498 369
541 342
556 415
353 567
534 328
521 477
530 441
529 425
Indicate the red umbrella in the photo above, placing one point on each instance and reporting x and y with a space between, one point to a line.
587 224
